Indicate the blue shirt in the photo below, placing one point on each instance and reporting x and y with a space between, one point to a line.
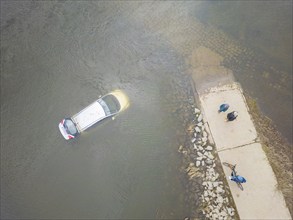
223 107
238 179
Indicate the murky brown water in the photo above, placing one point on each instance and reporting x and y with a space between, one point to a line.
57 57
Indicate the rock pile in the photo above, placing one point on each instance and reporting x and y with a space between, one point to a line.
215 201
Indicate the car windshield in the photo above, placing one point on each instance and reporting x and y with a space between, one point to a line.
110 104
70 127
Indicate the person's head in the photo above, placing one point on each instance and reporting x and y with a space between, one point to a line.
235 114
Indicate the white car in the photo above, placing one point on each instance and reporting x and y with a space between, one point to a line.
107 106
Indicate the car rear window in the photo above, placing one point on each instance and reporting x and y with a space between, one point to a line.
112 103
70 127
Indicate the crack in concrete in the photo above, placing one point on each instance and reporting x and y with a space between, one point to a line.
256 140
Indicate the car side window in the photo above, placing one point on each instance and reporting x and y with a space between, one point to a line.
105 107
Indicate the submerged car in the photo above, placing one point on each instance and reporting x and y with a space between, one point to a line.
107 106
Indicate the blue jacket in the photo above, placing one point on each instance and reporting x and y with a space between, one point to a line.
238 179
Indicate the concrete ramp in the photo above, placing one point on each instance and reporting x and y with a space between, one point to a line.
237 143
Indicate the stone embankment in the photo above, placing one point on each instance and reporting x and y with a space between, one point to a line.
216 201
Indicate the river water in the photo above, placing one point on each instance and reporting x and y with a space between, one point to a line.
59 56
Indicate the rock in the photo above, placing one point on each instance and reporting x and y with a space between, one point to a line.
202 163
209 162
212 194
192 172
192 175
218 210
195 147
211 170
230 211
199 142
224 214
209 148
209 192
200 147
215 216
187 169
200 124
215 184
220 200
197 163
216 175
199 154
209 183
193 140
195 134
199 118
180 148
204 139
197 129
196 110
219 190
205 194
199 158
213 179
211 156
204 134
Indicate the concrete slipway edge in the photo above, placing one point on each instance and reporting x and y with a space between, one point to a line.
237 142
